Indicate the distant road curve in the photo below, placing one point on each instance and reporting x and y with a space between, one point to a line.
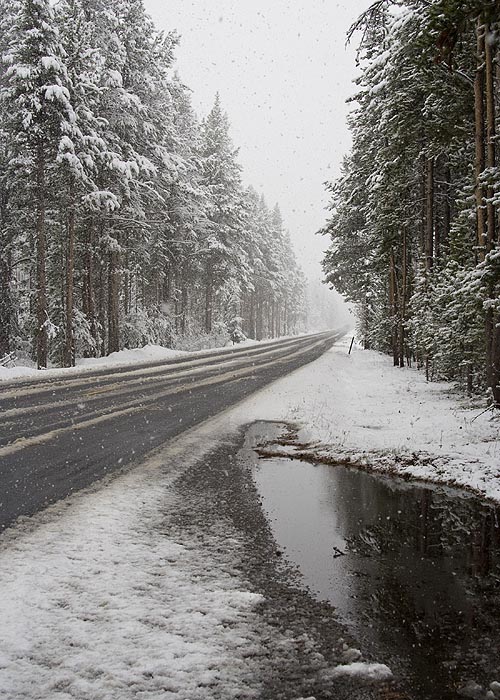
61 434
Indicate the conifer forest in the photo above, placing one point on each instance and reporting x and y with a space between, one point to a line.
123 217
415 215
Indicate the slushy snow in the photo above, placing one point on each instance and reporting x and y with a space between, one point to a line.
99 603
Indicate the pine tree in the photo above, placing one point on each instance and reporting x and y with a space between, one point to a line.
37 100
7 234
224 256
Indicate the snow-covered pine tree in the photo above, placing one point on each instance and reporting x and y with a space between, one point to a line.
224 256
37 107
273 301
187 220
7 228
79 151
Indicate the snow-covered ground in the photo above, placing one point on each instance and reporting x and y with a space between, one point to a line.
359 408
99 600
98 603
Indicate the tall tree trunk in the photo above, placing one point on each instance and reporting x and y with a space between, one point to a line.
102 287
184 298
393 308
252 322
423 190
41 255
479 140
429 215
89 293
403 298
6 310
490 139
365 323
69 344
492 318
177 301
497 88
6 305
429 234
113 302
446 206
208 297
259 319
184 306
101 305
126 283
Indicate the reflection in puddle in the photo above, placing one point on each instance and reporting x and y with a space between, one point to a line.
413 571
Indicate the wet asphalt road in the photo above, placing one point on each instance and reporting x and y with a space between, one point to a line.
61 434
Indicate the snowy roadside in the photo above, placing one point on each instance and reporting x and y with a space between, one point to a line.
97 601
360 409
123 358
104 597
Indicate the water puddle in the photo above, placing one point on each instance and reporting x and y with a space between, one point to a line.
413 571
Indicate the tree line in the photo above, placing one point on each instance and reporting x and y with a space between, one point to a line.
415 215
123 217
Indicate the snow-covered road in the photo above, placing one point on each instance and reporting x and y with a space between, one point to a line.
58 435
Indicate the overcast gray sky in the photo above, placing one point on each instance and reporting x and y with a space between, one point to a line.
283 73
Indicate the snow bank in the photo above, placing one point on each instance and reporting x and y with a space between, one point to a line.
363 670
8 373
147 353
